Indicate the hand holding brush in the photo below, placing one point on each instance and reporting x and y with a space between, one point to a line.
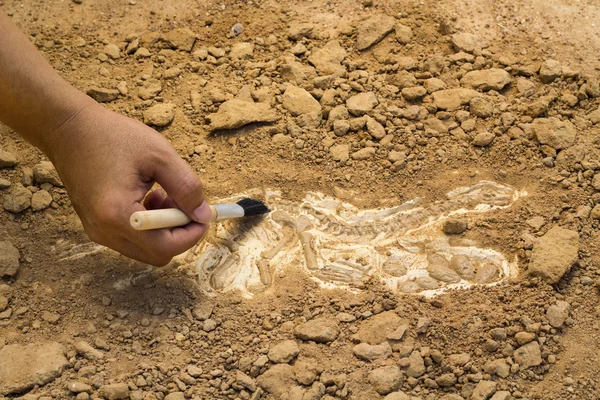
172 217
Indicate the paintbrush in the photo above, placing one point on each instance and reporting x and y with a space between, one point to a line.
172 217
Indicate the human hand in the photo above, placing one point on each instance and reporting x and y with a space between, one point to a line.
108 163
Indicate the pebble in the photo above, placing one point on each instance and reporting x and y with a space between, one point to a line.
550 70
370 353
386 379
327 60
483 390
298 101
78 387
7 159
115 391
362 103
468 42
364 154
236 113
554 132
41 200
373 30
284 352
524 337
558 313
236 29
159 115
488 79
454 227
277 380
113 51
553 254
86 350
44 172
528 355
209 325
320 330
9 259
18 199
340 152
416 367
103 95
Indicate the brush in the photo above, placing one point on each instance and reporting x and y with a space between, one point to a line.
172 217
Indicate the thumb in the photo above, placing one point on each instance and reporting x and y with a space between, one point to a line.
184 187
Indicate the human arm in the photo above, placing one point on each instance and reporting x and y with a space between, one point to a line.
108 162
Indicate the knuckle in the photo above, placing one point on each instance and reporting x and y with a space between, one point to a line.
189 187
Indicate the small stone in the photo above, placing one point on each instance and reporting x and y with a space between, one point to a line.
468 42
7 159
498 333
341 127
277 380
203 311
298 49
9 259
364 154
78 387
554 132
497 367
4 183
361 103
150 90
284 352
102 95
175 396
50 317
116 391
558 313
18 199
484 390
320 330
524 337
488 79
298 101
373 30
340 152
404 33
194 371
142 52
209 325
502 395
398 334
386 379
122 88
298 31
550 70
397 396
458 360
236 113
481 107
172 73
44 172
307 370
483 139
236 29
242 51
528 355
40 200
245 381
23 367
446 380
454 227
451 99
182 39
370 353
553 254
416 367
113 51
159 114
86 350
414 93
375 129
328 60
3 303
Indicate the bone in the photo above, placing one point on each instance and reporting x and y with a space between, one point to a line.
410 287
394 268
288 240
218 277
264 270
463 267
309 255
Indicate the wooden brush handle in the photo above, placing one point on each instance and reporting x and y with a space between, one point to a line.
172 217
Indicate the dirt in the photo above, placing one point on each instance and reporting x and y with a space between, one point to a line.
96 325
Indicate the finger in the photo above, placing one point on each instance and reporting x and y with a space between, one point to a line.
182 184
155 199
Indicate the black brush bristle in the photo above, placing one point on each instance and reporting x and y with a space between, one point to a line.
253 207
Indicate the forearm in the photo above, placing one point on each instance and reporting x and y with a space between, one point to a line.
34 100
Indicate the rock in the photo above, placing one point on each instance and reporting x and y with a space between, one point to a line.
298 101
446 380
414 93
3 303
315 392
361 103
373 30
397 396
416 368
307 370
113 51
487 79
44 172
528 355
298 31
242 51
376 329
160 114
483 390
553 254
364 154
341 127
78 387
497 367
23 367
386 379
328 59
149 91
451 99
442 273
298 73
50 317
182 39
320 330
468 42
245 381
594 116
375 129
194 371
122 88
115 391
172 73
102 95
458 360
481 107
18 199
209 325
524 337
554 132
371 353
9 259
40 200
550 70
236 113
298 49
86 350
277 380
404 33
7 159
142 52
203 311
175 396
502 395
483 139
558 313
284 352
4 183
340 152
454 227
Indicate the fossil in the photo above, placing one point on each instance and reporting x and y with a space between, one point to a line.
338 245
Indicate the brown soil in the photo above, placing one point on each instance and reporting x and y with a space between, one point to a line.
144 317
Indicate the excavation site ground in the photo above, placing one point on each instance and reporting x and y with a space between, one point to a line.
433 174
